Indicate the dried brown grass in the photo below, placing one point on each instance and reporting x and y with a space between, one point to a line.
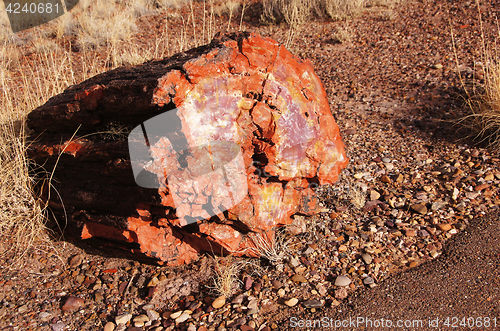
21 215
483 99
275 248
485 106
226 273
297 12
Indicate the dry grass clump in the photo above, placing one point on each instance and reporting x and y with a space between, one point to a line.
293 12
485 106
342 34
296 12
100 22
384 9
484 99
23 87
22 223
357 197
226 271
275 248
346 192
341 9
382 3
21 218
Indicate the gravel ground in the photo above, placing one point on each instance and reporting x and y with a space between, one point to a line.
409 192
458 290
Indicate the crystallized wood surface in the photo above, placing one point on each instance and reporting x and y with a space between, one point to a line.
253 136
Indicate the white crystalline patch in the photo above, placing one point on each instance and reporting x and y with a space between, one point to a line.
211 112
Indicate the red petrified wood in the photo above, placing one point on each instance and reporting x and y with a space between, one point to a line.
257 135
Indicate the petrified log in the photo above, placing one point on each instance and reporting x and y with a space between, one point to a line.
225 144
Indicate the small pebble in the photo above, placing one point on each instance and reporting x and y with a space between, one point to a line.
248 283
444 227
44 316
437 205
374 195
368 281
152 315
292 302
176 314
419 208
321 289
183 317
140 320
123 319
294 262
22 309
386 179
238 300
410 233
76 261
299 278
312 304
110 326
59 326
342 281
219 302
276 284
367 258
481 187
72 304
153 282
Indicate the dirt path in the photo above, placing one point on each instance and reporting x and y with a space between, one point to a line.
459 290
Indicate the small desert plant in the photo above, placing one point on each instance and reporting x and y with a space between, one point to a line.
275 247
346 193
115 132
342 34
356 196
226 272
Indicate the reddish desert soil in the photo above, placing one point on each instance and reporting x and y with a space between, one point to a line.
424 244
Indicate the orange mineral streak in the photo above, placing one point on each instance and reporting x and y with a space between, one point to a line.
250 91
90 97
